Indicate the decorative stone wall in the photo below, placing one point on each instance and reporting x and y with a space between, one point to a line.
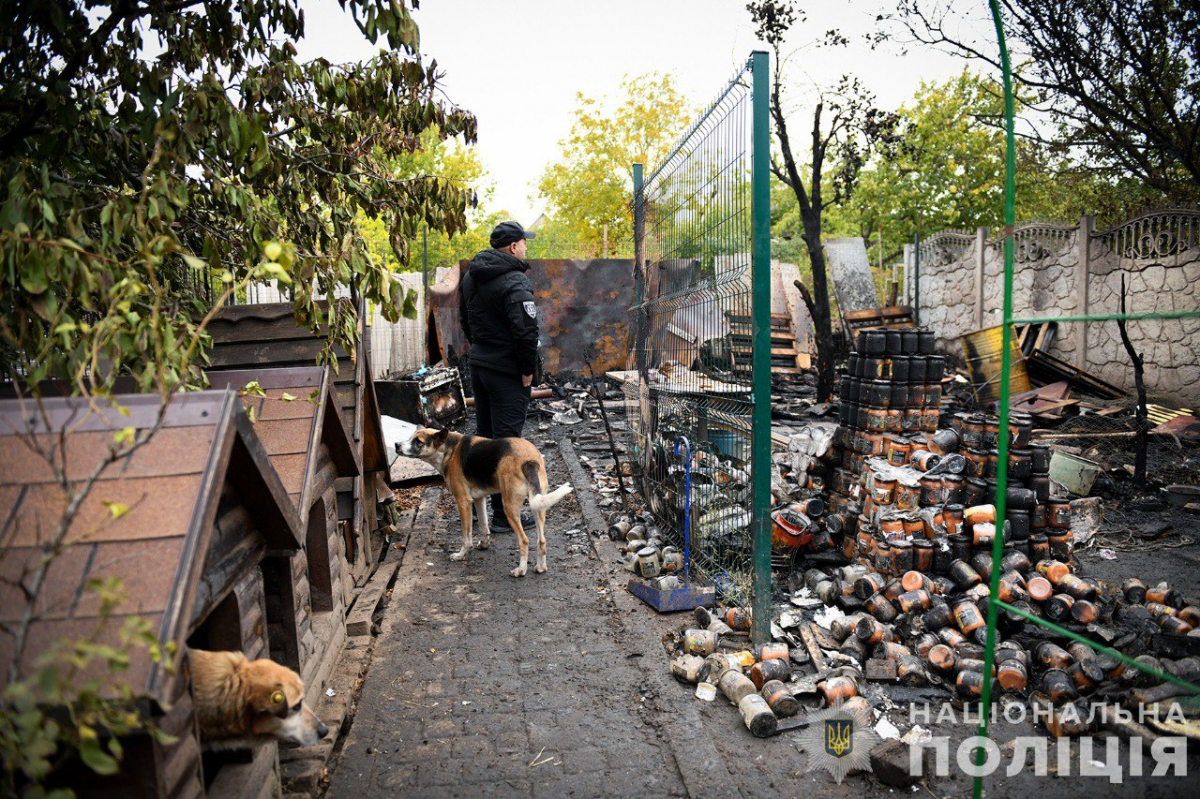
948 287
1068 270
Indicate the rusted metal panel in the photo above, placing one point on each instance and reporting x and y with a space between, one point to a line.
583 308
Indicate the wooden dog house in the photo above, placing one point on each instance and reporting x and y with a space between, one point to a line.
298 422
199 528
249 337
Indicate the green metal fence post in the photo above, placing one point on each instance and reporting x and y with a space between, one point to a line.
760 264
1010 190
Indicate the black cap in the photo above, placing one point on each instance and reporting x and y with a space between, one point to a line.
506 233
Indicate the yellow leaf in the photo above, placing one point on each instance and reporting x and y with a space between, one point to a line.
117 509
286 397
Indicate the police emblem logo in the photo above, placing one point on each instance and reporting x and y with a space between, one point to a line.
839 740
839 737
531 309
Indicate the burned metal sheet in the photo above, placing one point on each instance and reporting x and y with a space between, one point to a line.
583 307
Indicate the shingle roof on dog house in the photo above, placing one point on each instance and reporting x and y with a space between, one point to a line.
296 413
171 487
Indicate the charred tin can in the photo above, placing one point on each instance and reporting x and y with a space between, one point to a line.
1077 587
915 600
967 617
1134 590
881 608
738 619
923 556
767 670
1058 607
1039 548
838 689
933 490
969 683
953 518
1086 674
1052 656
954 489
718 663
1059 514
870 631
907 497
647 562
923 643
943 659
962 574
1012 674
1164 594
1039 588
938 617
781 701
1060 544
869 584
910 671
1058 686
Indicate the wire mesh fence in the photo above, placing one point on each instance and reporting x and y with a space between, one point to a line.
692 341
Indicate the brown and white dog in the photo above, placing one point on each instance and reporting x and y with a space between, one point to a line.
238 700
475 468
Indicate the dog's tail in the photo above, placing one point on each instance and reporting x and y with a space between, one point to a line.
536 479
539 502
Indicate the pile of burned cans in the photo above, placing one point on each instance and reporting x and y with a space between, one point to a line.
716 655
931 628
923 490
892 386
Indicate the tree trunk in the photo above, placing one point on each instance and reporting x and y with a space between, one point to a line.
822 317
1139 379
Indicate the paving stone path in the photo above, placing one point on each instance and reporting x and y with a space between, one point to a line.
482 684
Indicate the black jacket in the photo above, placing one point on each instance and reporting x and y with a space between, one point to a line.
497 312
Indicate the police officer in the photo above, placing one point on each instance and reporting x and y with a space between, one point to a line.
498 315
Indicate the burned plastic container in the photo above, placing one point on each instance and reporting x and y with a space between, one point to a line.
735 686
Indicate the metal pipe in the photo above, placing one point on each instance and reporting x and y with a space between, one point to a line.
537 393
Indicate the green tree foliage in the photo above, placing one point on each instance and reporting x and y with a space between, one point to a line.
948 172
1120 80
154 154
588 187
450 160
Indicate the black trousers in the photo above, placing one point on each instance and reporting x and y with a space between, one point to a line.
501 403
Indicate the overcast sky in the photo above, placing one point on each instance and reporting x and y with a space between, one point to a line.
518 64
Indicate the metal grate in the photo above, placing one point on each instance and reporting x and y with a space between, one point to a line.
694 340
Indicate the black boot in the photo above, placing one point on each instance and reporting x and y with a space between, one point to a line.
500 519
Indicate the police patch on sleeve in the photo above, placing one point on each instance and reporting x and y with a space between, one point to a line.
530 309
